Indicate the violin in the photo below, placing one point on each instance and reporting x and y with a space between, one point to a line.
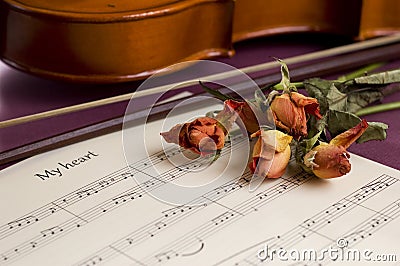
256 18
107 41
379 18
111 41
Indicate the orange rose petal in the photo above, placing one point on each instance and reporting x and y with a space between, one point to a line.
289 116
311 105
202 136
271 153
172 136
246 114
346 138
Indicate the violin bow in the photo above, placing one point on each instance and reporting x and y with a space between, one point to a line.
345 49
335 60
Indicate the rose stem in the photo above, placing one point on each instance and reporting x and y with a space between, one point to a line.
360 72
378 108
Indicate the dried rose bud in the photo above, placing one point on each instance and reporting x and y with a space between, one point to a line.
289 110
328 161
204 135
332 160
271 153
246 114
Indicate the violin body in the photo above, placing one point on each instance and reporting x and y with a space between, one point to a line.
102 41
379 18
256 18
111 41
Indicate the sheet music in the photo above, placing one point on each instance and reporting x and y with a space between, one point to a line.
81 205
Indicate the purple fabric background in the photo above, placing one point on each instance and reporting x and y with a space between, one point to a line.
23 94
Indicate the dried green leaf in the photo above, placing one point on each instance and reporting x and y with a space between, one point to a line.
375 131
386 77
285 81
339 122
336 100
337 96
360 72
361 99
316 126
318 89
215 93
304 146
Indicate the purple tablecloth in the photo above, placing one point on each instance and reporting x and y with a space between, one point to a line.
23 94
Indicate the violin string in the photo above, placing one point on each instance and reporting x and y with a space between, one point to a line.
380 41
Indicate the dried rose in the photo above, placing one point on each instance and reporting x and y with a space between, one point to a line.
204 135
289 110
271 153
246 114
330 160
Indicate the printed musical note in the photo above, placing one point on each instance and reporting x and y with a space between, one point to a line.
52 209
33 244
359 196
161 157
92 261
353 237
229 187
104 183
308 222
328 217
166 255
125 197
262 195
130 241
175 210
222 218
157 227
126 175
171 153
282 188
51 231
160 225
339 205
77 225
302 234
376 221
86 192
148 183
374 186
22 221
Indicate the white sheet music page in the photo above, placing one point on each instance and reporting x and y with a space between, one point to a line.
82 205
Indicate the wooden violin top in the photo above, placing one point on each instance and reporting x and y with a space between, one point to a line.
106 42
102 10
109 41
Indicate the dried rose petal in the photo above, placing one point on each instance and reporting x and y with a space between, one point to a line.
246 114
203 136
289 110
348 137
330 160
271 153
